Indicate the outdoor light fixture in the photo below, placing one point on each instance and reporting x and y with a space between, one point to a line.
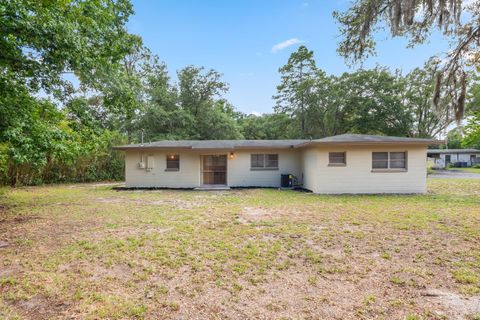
232 155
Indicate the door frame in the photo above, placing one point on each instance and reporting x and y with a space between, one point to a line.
226 168
448 159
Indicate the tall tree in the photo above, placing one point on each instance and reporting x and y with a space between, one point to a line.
472 131
365 101
295 94
326 116
428 120
42 40
372 103
192 109
198 89
416 19
266 127
200 93
454 139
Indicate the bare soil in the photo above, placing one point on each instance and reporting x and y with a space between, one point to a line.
89 252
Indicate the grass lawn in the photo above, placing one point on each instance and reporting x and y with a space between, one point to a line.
85 251
471 170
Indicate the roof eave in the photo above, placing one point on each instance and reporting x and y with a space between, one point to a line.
263 147
125 148
360 143
300 145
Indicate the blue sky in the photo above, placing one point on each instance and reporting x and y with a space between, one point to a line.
237 39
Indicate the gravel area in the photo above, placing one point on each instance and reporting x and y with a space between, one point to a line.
454 174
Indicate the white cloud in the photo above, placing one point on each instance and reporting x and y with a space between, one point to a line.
256 113
284 44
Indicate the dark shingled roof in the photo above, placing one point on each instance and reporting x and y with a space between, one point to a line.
274 144
216 144
365 138
448 151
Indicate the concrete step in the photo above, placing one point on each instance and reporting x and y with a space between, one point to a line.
213 187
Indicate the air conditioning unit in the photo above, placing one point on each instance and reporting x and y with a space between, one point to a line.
141 165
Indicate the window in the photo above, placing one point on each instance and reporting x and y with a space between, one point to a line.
398 160
337 158
271 161
173 162
389 160
264 161
257 160
380 160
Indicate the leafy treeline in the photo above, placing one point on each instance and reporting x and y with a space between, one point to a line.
416 20
42 43
374 101
309 104
469 136
53 129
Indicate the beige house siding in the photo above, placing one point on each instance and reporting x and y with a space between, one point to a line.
187 177
357 175
310 163
240 175
310 159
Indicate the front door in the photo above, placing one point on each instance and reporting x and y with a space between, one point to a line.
214 169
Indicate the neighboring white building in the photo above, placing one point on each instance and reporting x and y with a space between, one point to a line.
442 157
347 163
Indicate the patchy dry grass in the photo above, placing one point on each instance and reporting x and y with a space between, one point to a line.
88 252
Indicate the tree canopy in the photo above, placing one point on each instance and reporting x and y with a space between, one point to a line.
74 83
457 20
41 42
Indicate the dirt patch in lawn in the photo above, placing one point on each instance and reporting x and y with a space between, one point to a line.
460 307
255 214
123 233
243 254
178 204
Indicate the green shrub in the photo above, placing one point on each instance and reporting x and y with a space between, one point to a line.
68 156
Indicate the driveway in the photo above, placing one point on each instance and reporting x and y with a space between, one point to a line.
454 174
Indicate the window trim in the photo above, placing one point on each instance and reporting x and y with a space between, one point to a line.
332 164
265 160
167 160
386 160
388 169
404 160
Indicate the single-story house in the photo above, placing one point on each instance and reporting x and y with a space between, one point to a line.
348 163
443 157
